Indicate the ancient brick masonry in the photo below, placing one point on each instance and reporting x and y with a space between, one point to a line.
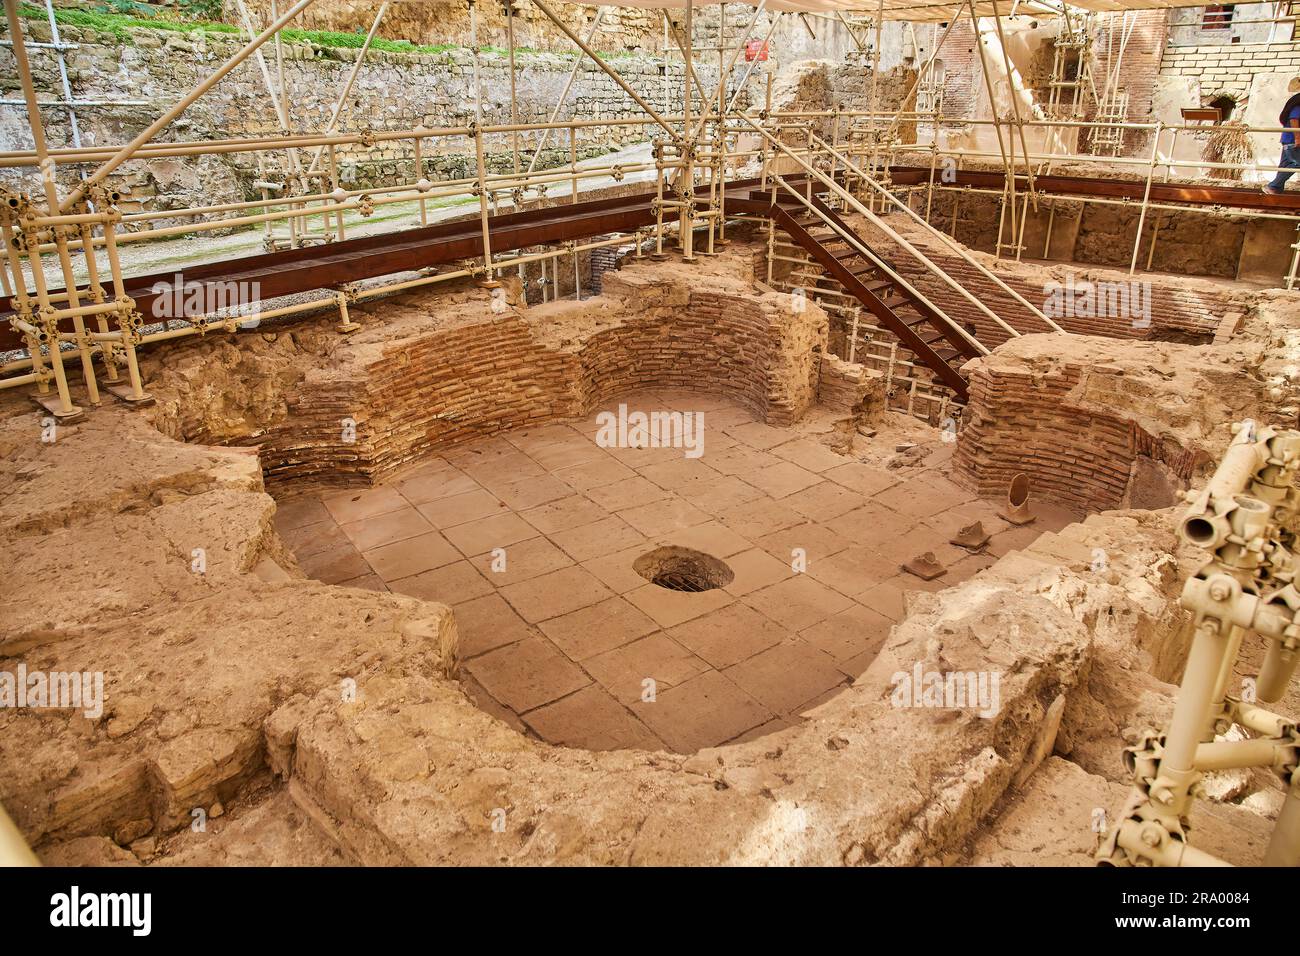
433 383
1024 422
1138 69
1104 423
845 386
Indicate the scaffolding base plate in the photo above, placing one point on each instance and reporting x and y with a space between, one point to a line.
51 404
122 392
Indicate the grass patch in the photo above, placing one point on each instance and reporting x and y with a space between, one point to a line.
123 16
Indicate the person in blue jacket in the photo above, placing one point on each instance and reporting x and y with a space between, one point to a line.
1290 161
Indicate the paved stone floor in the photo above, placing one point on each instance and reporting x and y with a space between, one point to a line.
568 642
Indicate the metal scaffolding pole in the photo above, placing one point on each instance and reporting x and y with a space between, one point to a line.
600 62
129 150
1009 203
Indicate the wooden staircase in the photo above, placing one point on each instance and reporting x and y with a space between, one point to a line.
833 245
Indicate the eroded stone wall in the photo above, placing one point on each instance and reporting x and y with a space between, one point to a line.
1104 423
1192 243
392 91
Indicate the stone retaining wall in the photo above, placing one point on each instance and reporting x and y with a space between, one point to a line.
392 91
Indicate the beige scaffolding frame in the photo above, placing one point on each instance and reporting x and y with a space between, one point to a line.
87 221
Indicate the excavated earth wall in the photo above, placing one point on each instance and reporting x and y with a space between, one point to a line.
132 546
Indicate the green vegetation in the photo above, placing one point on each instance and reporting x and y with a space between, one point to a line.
119 17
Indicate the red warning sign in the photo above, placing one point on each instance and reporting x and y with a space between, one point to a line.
756 50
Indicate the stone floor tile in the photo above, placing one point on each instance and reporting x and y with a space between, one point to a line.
411 556
924 496
970 566
297 512
784 478
681 476
575 450
848 635
493 470
527 674
551 595
600 538
760 517
499 531
886 599
864 479
728 636
336 565
450 584
756 569
810 454
454 510
663 517
722 494
628 493
378 530
368 582
817 542
480 452
758 435
1013 539
615 570
429 482
703 712
531 440
485 702
564 513
306 540
797 602
596 473
531 491
874 526
598 628
486 623
521 561
786 675
824 501
345 506
638 457
656 657
669 608
592 720
711 537
740 460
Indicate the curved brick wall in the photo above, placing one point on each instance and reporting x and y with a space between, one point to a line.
1102 423
434 370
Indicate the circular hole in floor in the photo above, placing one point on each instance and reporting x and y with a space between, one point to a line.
682 569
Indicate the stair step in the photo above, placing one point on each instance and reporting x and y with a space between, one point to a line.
867 270
941 358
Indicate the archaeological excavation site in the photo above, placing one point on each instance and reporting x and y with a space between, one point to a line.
783 433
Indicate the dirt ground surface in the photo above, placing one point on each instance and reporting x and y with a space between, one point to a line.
253 714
